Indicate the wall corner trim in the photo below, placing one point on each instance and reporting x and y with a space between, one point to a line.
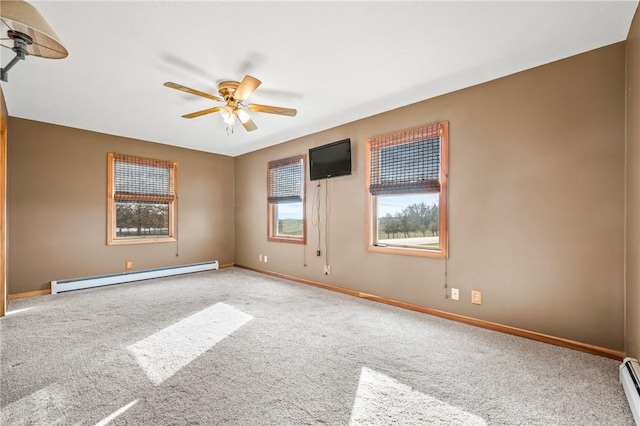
540 337
29 294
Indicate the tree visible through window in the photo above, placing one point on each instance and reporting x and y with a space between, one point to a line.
142 199
137 219
407 191
409 216
285 199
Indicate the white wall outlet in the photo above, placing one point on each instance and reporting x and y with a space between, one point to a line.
327 269
265 258
455 294
259 258
476 297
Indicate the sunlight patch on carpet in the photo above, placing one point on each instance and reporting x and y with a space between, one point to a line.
164 353
382 400
115 414
46 406
17 311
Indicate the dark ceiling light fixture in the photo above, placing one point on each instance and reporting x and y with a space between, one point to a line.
27 33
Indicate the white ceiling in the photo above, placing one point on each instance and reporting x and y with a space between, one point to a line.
335 62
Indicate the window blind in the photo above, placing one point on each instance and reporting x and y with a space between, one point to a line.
406 162
285 180
143 180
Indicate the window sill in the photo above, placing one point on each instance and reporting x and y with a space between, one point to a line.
291 240
408 251
116 242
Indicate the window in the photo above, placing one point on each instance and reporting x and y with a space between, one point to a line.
407 191
141 200
285 198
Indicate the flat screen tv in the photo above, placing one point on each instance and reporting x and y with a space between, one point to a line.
330 160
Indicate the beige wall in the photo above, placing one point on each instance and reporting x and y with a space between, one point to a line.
536 204
633 190
57 206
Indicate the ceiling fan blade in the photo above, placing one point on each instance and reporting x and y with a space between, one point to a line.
247 86
249 125
203 112
192 91
273 110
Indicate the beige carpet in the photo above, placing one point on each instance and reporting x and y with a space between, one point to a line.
239 348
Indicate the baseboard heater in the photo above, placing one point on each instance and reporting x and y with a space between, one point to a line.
630 380
127 277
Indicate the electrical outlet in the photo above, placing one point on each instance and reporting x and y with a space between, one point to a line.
317 252
455 294
476 297
327 269
265 258
128 265
259 258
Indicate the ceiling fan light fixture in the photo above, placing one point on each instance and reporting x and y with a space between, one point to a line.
228 116
225 113
233 95
230 120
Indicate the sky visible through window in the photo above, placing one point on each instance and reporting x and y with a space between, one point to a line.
394 204
290 211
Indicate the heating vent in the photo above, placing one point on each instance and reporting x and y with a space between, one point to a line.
102 280
630 379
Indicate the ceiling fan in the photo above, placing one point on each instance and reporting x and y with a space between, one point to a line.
234 94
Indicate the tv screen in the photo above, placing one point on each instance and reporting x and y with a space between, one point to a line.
330 160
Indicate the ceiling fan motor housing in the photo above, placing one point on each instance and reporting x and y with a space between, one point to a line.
227 90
